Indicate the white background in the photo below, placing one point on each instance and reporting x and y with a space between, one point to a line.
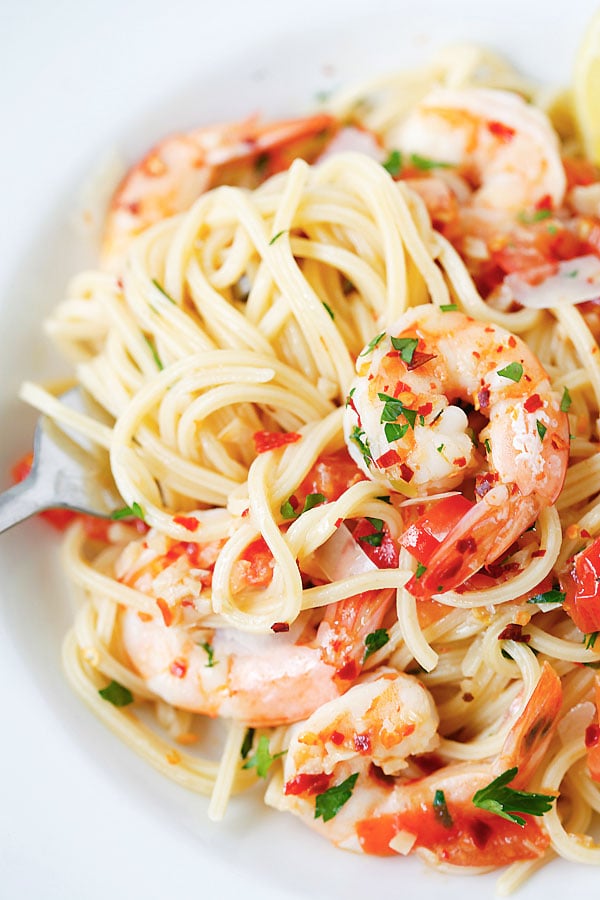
80 817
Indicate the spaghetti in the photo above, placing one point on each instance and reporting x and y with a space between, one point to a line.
269 579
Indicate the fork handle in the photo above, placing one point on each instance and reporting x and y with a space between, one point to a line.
19 503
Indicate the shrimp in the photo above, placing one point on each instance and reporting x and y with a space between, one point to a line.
363 741
503 146
404 427
181 167
264 680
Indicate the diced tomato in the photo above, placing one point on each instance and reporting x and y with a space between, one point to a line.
582 586
254 567
385 556
307 784
424 536
331 475
473 839
272 440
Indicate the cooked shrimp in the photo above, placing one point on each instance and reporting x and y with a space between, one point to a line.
181 167
405 427
263 680
369 734
505 147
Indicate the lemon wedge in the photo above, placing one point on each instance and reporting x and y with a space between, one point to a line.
586 91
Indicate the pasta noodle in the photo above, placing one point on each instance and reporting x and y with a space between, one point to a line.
266 572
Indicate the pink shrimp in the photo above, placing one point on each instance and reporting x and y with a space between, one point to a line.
404 426
363 741
181 167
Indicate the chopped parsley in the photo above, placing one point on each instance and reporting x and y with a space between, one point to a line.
440 448
154 352
329 310
163 292
538 215
394 432
421 569
541 429
393 163
440 810
375 641
276 237
385 499
565 403
376 538
448 307
134 511
503 801
513 370
372 344
552 596
312 500
394 408
406 348
247 743
116 694
329 803
590 640
210 653
425 164
263 759
357 435
487 445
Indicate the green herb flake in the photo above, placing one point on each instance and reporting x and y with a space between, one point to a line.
538 215
372 344
590 640
385 499
376 523
421 569
513 370
406 347
329 310
357 435
163 292
329 803
473 436
375 539
277 236
487 445
116 694
287 510
573 274
393 163
552 596
440 810
394 432
541 429
247 743
134 511
313 500
375 641
565 403
425 164
448 307
210 653
505 802
154 352
263 759
552 229
440 448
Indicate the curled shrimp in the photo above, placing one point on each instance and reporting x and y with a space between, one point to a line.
404 426
178 169
366 740
502 145
263 680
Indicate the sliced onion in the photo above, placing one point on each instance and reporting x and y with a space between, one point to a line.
342 556
575 281
576 721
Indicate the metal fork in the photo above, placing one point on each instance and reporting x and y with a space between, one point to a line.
65 474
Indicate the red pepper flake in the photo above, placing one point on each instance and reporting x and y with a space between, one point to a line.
504 132
406 472
425 409
584 533
468 697
166 611
544 202
246 512
188 522
512 342
592 735
272 440
419 359
514 632
278 627
349 671
484 483
460 461
388 459
307 784
338 522
400 387
533 403
178 668
362 743
336 737
483 398
537 554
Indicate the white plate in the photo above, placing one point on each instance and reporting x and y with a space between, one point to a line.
81 816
